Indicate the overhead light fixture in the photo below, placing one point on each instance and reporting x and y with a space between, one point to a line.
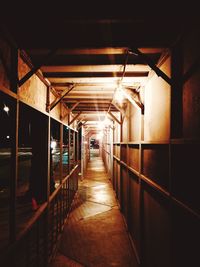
53 144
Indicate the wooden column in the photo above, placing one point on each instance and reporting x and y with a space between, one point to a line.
176 92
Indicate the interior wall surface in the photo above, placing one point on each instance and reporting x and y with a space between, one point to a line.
155 176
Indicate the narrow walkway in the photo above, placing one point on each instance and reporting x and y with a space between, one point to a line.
95 234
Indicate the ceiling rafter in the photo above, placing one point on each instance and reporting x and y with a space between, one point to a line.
43 61
75 118
113 116
58 99
149 61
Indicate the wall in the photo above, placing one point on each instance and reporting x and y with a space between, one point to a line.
155 163
157 107
31 190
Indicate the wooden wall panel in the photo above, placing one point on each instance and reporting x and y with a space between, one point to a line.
134 124
155 164
116 128
124 192
33 91
134 210
123 148
114 177
117 150
185 238
6 52
156 229
133 151
191 107
185 174
157 107
191 44
119 179
125 131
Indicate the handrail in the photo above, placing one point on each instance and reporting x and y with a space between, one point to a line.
51 197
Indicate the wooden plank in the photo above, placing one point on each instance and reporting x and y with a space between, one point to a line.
92 59
75 118
113 116
96 68
94 74
64 93
36 67
152 64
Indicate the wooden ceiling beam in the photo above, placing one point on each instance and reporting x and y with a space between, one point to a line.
64 84
64 93
152 64
113 117
91 59
95 51
94 74
42 61
75 118
95 68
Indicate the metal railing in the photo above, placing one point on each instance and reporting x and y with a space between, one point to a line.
36 245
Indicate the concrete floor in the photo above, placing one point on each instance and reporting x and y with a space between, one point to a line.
95 234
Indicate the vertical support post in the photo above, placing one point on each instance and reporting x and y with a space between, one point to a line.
69 149
47 215
48 99
48 158
120 157
14 69
141 202
127 162
177 92
74 147
14 157
13 180
61 152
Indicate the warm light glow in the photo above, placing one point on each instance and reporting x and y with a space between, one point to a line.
130 99
100 135
6 109
101 196
119 96
53 144
8 137
106 121
100 125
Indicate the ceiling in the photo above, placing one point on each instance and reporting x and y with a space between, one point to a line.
94 55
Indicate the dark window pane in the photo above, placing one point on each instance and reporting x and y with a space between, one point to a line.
65 159
7 122
55 155
71 151
32 162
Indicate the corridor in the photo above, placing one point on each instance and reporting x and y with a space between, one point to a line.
95 233
100 137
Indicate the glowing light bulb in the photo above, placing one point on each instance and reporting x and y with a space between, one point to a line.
6 109
119 96
53 144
